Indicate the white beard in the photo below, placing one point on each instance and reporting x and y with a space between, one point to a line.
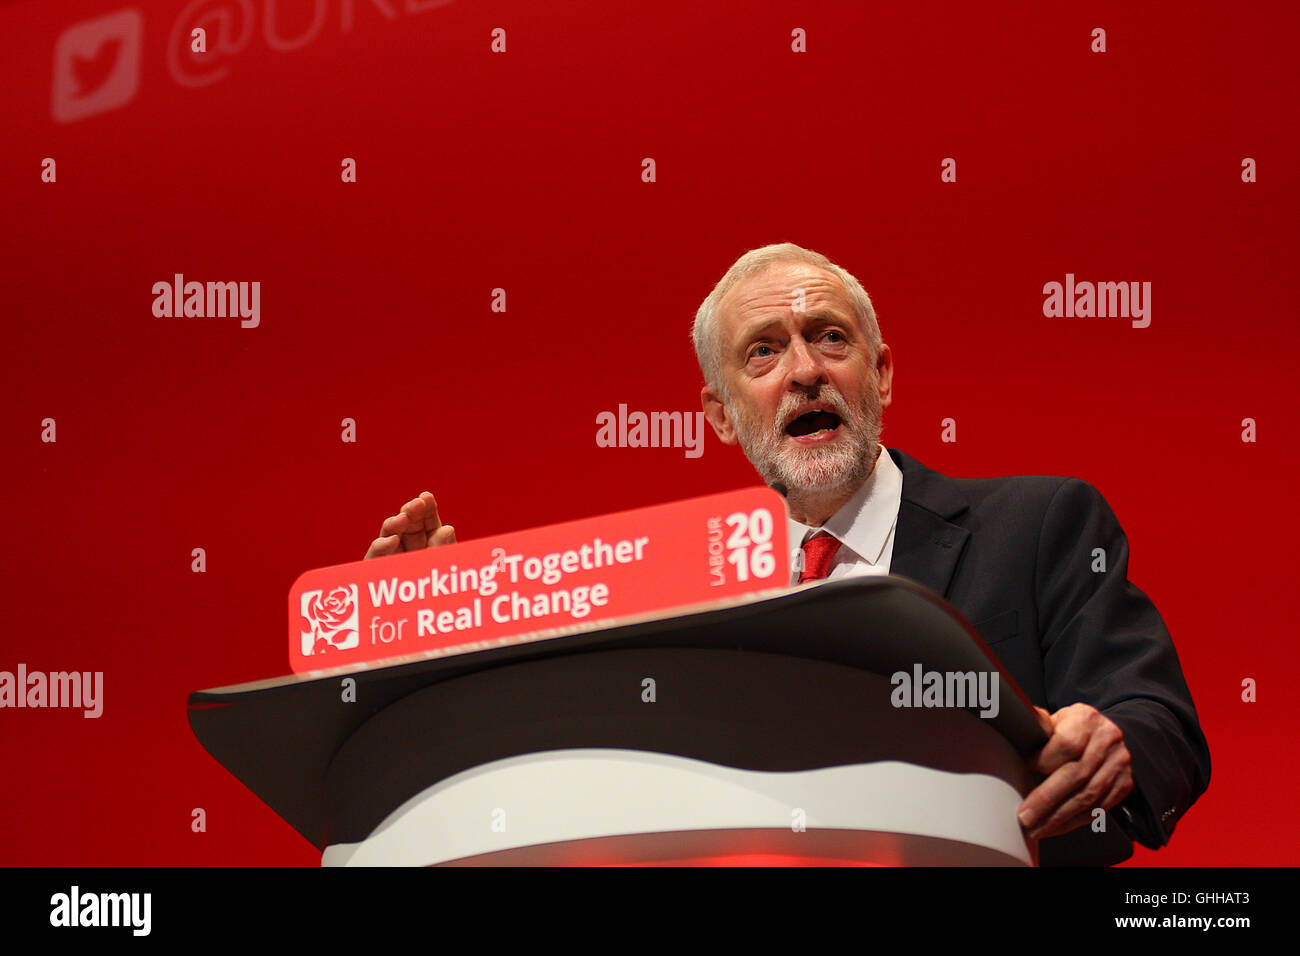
840 466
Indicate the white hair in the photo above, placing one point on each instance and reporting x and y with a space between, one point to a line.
705 335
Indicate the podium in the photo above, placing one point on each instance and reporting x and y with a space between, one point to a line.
763 729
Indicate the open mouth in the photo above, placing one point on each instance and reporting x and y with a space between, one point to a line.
813 423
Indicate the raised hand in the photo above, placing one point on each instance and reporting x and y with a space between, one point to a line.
416 526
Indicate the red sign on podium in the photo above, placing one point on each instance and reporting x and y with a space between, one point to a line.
536 584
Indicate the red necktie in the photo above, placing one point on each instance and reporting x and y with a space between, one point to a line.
818 552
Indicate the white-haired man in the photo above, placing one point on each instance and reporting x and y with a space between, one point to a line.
797 374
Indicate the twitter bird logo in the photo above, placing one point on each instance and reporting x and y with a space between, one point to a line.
96 65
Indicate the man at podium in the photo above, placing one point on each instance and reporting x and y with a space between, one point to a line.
797 375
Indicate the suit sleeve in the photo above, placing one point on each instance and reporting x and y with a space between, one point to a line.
1105 644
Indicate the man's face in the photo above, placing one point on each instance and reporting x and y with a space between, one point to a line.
801 394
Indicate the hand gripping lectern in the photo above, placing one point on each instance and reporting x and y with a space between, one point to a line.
761 729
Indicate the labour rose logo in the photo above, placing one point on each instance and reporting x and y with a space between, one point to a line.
332 618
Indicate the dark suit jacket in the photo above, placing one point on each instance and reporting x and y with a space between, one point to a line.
1015 557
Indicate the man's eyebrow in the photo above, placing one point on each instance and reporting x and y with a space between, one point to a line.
752 333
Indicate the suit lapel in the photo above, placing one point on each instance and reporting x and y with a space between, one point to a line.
927 545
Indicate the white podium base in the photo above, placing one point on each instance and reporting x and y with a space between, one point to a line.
587 806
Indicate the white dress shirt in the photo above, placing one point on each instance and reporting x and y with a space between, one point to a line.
864 526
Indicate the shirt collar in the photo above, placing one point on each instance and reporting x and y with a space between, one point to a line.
862 524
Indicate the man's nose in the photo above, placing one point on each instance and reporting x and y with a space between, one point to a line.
805 365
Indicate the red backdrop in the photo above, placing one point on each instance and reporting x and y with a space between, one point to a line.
522 171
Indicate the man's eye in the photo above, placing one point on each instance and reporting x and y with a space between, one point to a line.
761 351
839 337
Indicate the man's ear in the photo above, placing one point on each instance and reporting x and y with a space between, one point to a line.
885 375
716 413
